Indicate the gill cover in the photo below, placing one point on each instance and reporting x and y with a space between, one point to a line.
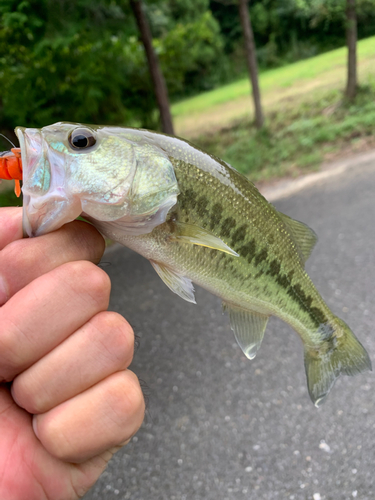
101 173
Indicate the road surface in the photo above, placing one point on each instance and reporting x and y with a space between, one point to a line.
219 427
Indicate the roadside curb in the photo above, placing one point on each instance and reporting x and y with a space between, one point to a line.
286 187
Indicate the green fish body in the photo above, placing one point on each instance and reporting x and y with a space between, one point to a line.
197 220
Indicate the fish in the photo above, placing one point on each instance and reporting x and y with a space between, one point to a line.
197 220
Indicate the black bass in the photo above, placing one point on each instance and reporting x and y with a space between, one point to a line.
197 220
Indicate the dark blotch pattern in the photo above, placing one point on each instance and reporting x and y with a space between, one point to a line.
228 224
295 291
202 207
248 251
238 235
274 269
188 199
261 256
297 294
283 280
216 215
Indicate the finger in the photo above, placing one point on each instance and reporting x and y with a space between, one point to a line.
47 311
100 348
105 416
24 260
11 225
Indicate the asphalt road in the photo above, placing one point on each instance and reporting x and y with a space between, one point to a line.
220 427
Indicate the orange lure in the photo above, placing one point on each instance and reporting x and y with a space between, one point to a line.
11 167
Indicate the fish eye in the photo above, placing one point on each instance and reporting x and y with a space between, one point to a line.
82 138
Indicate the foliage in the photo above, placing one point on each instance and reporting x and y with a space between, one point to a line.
288 30
302 129
7 196
298 138
54 66
82 61
200 43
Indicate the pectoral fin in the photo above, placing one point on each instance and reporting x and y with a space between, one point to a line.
304 237
248 328
194 235
179 284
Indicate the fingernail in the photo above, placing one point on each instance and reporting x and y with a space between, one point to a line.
3 291
35 426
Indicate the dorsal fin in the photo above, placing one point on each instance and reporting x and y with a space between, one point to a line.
304 237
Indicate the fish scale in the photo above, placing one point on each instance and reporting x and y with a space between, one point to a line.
197 220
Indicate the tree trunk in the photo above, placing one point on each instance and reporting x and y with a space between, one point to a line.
351 39
160 87
251 60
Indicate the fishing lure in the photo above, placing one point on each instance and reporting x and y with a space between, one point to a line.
11 167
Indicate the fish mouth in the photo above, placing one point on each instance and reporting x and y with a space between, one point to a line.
31 144
46 204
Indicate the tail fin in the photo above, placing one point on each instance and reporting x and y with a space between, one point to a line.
323 366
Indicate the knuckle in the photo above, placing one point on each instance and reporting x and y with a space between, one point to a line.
116 336
53 436
90 278
27 395
86 234
21 255
12 358
126 397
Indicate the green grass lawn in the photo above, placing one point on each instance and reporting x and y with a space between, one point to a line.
275 79
298 137
307 119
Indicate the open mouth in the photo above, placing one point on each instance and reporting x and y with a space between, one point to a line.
31 144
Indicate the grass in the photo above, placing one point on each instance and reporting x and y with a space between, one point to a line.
218 108
298 137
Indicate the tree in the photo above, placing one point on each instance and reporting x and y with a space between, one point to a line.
345 12
351 40
160 87
251 60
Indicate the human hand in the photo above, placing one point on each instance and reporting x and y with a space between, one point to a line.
67 399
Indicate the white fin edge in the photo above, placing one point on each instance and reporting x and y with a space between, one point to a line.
248 328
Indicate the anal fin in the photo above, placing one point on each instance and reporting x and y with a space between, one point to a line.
248 327
179 284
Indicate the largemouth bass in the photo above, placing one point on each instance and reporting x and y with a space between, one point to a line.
197 220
